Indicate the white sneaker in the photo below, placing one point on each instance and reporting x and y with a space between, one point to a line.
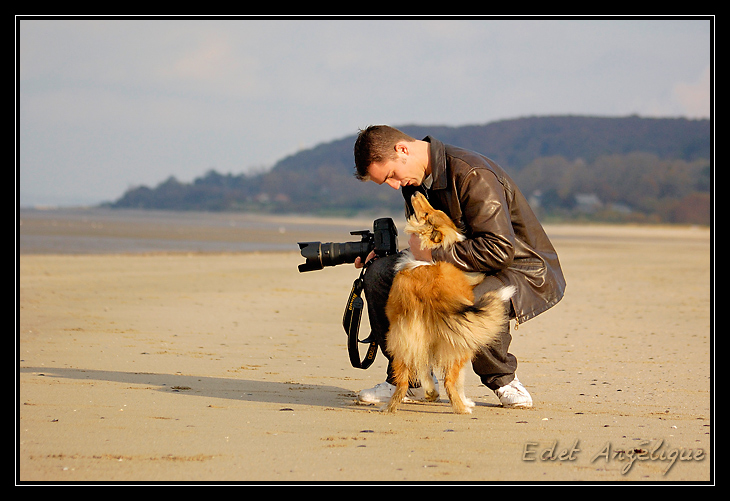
383 391
514 395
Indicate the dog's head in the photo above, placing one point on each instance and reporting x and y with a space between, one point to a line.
433 227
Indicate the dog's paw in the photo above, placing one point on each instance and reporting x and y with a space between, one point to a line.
463 407
390 408
432 396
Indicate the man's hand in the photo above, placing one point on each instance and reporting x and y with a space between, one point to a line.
421 254
360 264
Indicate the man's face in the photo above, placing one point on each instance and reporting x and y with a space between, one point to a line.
397 173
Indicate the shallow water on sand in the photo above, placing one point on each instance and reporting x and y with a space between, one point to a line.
102 231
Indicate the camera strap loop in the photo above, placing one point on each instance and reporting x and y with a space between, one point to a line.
351 323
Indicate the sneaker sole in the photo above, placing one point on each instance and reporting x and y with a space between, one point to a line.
406 400
516 406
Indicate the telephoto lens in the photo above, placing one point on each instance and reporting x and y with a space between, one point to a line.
384 241
319 255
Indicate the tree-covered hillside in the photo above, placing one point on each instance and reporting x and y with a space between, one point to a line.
571 167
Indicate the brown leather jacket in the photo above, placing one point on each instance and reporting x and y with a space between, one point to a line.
504 238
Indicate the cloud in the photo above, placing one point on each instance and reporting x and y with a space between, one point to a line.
694 97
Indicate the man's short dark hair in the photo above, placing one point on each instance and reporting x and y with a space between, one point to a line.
376 144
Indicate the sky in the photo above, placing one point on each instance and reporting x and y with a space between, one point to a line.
105 105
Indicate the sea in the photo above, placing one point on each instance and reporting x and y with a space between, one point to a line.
106 231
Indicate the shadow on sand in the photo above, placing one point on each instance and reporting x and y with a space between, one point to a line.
286 393
289 393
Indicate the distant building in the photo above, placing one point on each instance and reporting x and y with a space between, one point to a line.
587 202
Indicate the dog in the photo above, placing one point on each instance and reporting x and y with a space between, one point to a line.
434 320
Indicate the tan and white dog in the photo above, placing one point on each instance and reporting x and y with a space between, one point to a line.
434 320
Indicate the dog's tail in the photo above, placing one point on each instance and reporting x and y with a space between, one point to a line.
479 324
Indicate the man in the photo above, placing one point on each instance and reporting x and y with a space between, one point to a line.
504 240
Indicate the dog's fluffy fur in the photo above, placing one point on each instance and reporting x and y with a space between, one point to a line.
434 320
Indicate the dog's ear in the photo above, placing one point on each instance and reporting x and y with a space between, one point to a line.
436 236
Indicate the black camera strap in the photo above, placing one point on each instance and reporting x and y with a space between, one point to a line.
351 323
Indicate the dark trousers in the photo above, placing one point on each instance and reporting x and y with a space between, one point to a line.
494 365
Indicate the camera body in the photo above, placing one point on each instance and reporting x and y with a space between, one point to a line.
383 240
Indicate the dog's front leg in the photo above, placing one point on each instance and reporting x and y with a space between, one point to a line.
428 384
454 388
402 375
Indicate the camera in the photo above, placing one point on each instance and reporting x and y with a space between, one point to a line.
383 240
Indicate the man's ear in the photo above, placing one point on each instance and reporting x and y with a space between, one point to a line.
401 148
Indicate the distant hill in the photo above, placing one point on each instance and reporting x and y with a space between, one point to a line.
572 167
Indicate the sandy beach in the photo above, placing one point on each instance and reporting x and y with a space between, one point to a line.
232 367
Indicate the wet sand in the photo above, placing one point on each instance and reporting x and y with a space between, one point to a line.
232 367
